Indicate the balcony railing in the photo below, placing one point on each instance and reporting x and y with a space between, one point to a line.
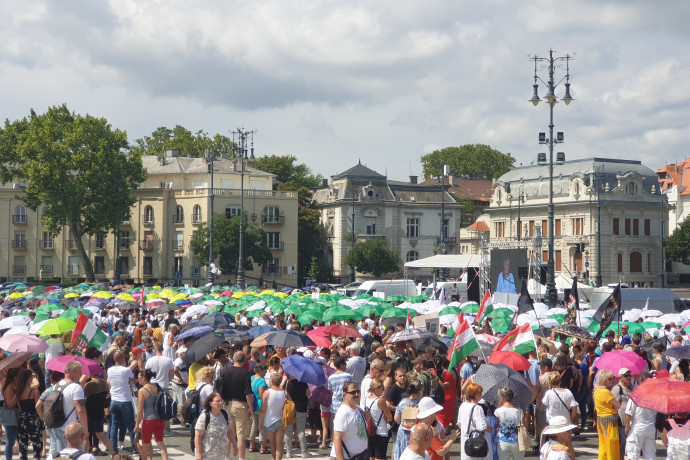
18 269
19 244
46 244
125 243
271 270
146 245
197 219
178 246
47 269
273 220
73 270
19 218
276 246
148 221
196 271
177 220
447 240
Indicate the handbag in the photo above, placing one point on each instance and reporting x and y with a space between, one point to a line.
8 416
288 413
364 455
322 395
476 445
524 439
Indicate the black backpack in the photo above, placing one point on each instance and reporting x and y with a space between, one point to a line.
192 405
206 422
476 445
404 362
53 408
166 406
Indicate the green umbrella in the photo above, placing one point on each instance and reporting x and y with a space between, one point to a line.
341 314
417 299
650 325
73 313
470 309
395 298
255 313
500 325
633 328
558 317
49 307
501 313
308 316
394 312
450 311
368 309
56 326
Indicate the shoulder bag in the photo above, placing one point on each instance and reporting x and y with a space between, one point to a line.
288 412
476 445
524 439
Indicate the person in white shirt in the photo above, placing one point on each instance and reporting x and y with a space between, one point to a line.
162 366
349 426
75 437
640 430
120 379
375 372
421 437
356 365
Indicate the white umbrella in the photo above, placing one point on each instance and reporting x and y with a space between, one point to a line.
650 313
17 320
34 329
258 305
17 330
212 302
195 310
632 314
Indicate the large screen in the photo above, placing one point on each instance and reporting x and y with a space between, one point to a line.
508 268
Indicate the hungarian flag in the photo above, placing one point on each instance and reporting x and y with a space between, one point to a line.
464 343
520 340
483 308
455 325
87 334
142 299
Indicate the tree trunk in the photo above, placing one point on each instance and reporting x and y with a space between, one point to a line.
88 266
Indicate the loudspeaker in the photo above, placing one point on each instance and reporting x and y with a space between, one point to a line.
472 285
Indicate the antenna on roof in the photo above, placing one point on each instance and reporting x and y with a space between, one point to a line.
359 161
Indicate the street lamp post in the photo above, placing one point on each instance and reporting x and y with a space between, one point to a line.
354 197
443 172
521 199
243 136
551 63
118 263
210 160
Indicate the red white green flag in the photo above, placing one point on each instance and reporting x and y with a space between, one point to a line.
485 308
464 343
520 340
87 334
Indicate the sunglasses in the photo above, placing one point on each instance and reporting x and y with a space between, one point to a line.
626 375
356 392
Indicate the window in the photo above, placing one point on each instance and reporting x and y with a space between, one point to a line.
124 265
19 266
178 242
500 229
271 268
371 225
148 215
544 227
46 265
578 226
196 271
445 228
271 215
147 244
273 240
577 262
253 185
616 226
177 267
635 262
647 227
99 265
179 214
19 241
631 189
412 256
124 239
196 214
627 226
198 184
412 227
226 184
19 215
636 226
73 265
557 227
47 242
100 241
558 261
544 256
531 228
231 212
620 263
148 266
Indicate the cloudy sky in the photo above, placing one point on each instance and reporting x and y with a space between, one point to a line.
384 81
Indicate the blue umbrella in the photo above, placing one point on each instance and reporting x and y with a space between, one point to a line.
303 369
259 330
195 333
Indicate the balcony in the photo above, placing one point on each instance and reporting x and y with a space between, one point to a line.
125 243
19 219
272 220
18 269
125 223
446 240
271 270
148 222
46 244
19 244
100 245
369 236
178 246
279 246
46 269
178 220
146 245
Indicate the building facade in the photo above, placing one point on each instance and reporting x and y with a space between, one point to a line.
155 242
611 204
406 215
673 181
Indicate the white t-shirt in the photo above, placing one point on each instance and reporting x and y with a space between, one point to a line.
161 365
70 450
408 454
351 423
179 363
205 391
555 407
72 392
119 377
364 391
643 419
54 348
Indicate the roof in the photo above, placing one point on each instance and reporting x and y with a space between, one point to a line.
446 261
675 175
358 171
188 165
466 188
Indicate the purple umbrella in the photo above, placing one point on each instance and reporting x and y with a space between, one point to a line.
89 366
195 333
23 342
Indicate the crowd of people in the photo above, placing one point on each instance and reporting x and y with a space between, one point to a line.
379 395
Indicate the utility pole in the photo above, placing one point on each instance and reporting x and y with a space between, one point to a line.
244 137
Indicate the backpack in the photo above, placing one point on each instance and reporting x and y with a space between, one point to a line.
72 456
192 405
166 406
53 409
438 394
206 422
404 362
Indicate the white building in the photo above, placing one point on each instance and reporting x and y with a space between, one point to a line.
674 180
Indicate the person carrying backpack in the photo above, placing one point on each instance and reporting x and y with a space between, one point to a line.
213 432
148 422
75 437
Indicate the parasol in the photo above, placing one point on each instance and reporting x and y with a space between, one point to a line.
573 331
492 377
303 369
409 334
663 395
617 359
511 359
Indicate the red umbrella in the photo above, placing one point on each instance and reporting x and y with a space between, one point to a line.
319 339
618 359
511 359
340 330
663 395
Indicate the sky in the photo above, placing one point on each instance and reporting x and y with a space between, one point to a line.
381 81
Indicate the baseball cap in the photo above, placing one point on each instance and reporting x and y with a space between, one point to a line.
427 407
623 370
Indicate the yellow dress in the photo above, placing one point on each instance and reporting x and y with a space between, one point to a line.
607 425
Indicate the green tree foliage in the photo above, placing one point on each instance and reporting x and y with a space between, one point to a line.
474 160
677 246
287 172
74 169
189 144
226 244
372 256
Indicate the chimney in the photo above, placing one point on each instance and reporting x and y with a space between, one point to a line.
172 153
324 182
161 160
413 179
224 155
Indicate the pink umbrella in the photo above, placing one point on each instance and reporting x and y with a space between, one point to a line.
618 359
23 342
319 339
89 366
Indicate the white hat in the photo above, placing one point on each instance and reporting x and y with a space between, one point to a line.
559 424
427 407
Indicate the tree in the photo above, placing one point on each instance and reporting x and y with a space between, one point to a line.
677 246
189 144
287 172
226 243
75 170
474 160
372 256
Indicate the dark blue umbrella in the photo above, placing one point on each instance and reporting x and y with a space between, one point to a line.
260 330
195 333
304 369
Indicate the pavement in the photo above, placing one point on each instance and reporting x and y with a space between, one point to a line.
586 448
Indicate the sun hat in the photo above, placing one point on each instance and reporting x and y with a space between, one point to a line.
559 424
427 407
622 371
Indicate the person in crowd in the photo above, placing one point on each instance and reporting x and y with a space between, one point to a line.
621 391
640 429
674 436
205 378
336 383
606 407
471 417
213 433
274 367
164 370
395 394
120 377
179 383
271 416
421 437
508 418
55 378
380 414
558 400
235 388
74 438
9 394
30 426
585 393
375 372
349 426
259 386
659 362
543 385
96 393
447 381
556 438
147 422
404 417
428 415
298 393
356 365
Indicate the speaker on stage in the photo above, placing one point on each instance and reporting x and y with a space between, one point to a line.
472 285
